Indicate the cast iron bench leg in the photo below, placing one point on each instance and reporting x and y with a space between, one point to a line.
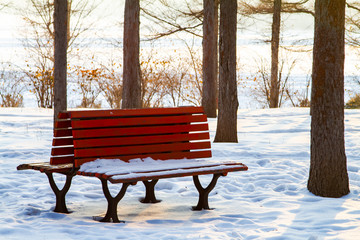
60 206
203 202
150 192
111 212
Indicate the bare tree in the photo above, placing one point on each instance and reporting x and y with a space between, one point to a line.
262 88
111 84
39 41
226 130
275 7
210 62
131 97
189 17
11 86
61 30
328 172
275 41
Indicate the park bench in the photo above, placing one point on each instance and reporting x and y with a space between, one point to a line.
132 145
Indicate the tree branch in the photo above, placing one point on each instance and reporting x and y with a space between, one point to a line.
352 6
175 27
266 7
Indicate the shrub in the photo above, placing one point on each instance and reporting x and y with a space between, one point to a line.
41 84
354 102
11 87
111 84
87 82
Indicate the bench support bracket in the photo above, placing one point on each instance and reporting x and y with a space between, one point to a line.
150 192
60 206
111 213
203 202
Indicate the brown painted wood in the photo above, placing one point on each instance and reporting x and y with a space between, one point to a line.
63 124
55 160
134 112
113 132
62 132
64 115
62 151
138 149
137 121
161 133
47 167
62 141
171 173
139 140
158 156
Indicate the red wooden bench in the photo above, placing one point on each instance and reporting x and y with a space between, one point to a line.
178 135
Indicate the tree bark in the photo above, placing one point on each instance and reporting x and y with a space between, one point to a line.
60 55
228 102
275 39
328 171
131 64
210 62
69 3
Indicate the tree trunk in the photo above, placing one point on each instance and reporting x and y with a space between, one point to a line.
69 2
228 102
275 39
210 62
60 55
328 172
131 65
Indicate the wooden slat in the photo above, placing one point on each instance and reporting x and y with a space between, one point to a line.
139 140
138 121
221 168
63 124
158 148
47 167
62 141
134 112
61 160
63 115
62 133
155 156
172 174
114 132
177 167
62 151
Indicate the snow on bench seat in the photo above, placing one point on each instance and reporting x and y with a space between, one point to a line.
118 171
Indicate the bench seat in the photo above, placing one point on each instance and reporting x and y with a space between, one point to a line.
47 167
117 171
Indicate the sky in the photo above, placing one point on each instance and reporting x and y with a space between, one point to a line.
110 13
12 25
9 23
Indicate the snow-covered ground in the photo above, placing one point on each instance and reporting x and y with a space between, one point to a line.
269 201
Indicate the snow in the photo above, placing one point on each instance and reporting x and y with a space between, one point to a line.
148 167
269 201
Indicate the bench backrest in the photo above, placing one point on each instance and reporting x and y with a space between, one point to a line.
159 133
